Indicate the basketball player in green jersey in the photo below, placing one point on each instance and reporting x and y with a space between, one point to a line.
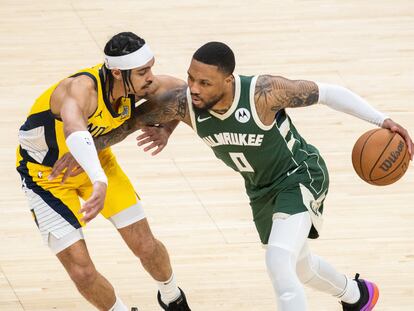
243 119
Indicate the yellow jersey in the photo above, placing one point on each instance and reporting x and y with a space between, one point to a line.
41 137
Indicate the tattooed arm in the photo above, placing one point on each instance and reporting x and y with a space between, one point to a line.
163 108
115 136
166 110
274 93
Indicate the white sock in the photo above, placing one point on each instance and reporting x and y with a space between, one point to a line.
119 305
169 290
351 293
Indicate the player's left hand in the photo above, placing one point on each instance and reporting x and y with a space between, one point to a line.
95 203
396 128
155 136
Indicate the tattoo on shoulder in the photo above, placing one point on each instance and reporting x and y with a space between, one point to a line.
278 92
173 104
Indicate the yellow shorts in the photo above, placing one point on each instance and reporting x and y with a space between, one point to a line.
55 207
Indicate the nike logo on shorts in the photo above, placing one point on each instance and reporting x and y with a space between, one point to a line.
291 172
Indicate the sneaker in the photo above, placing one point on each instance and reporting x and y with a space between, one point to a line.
369 296
180 304
134 309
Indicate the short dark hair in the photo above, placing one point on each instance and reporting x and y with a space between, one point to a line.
122 43
216 54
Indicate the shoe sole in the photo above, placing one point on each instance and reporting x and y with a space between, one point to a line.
373 296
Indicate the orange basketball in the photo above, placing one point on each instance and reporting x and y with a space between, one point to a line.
380 157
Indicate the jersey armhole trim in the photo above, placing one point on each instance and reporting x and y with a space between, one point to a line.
253 107
84 73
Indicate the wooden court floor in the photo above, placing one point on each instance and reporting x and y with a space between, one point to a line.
195 204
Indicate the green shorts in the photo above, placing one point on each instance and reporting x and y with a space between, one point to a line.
302 191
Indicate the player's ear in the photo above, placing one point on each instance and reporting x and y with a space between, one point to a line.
116 73
229 79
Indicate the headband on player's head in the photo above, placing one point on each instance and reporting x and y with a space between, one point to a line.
132 60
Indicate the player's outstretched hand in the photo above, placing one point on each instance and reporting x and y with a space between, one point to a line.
155 136
95 203
395 127
68 162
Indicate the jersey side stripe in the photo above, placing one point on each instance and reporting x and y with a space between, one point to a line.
49 200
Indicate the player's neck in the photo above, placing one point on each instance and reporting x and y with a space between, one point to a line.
225 103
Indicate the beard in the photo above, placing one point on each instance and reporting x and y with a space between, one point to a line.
207 105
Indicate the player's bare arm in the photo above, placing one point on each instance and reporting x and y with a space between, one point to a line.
274 93
166 107
73 101
169 107
160 113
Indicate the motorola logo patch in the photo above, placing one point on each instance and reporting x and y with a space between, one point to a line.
242 115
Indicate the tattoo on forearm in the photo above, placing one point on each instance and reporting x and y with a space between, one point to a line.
279 93
172 105
113 137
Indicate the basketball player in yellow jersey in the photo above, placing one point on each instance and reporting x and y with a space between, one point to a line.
65 118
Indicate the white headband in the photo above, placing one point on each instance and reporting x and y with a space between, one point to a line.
133 60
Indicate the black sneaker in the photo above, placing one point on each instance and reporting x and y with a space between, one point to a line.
369 296
180 304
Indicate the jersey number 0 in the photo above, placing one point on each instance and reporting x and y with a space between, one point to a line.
241 162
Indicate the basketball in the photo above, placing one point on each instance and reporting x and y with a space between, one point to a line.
380 157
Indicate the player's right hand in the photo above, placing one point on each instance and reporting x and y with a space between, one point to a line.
92 207
68 162
155 136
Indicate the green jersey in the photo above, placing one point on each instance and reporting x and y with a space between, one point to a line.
264 155
283 174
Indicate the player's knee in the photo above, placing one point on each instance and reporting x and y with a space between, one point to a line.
280 265
83 275
145 248
305 269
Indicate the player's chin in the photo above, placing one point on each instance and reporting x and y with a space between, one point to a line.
198 103
145 91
